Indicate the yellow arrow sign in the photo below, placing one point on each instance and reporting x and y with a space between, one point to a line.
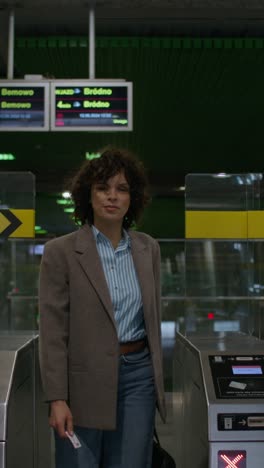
17 223
3 223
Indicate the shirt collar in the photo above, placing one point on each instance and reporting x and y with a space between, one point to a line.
125 241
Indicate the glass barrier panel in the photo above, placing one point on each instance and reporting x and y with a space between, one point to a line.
172 267
217 268
19 269
224 251
17 190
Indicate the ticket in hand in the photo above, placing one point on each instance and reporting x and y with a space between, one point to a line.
74 440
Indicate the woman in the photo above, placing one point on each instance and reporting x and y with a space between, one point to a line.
100 341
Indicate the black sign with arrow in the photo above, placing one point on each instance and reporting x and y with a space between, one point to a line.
9 223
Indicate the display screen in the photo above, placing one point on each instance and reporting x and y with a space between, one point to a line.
247 370
24 106
91 106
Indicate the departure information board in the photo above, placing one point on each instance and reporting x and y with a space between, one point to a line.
24 106
91 105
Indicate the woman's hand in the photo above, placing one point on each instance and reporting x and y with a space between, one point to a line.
61 418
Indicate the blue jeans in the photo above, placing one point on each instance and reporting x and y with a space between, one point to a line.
130 445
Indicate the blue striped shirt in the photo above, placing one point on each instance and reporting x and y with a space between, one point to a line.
123 286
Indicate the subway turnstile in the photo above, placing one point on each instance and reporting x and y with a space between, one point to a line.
219 401
24 431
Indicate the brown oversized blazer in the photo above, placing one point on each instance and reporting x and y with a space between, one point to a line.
79 352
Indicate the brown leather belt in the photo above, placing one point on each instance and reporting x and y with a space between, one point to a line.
132 346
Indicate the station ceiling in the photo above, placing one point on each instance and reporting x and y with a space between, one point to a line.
138 17
197 68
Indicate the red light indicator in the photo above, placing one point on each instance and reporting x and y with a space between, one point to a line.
232 463
232 459
210 315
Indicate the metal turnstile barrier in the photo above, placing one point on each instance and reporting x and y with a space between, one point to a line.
24 431
219 401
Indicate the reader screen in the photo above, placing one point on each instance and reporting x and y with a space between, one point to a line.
238 377
246 370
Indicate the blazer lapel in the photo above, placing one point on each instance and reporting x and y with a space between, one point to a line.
143 266
90 262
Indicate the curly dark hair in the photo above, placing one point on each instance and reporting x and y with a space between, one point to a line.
111 162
